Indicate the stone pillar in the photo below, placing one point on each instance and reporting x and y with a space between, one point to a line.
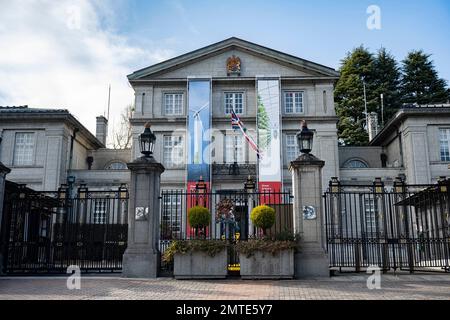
141 256
311 260
3 172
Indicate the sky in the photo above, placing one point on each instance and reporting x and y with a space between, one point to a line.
65 53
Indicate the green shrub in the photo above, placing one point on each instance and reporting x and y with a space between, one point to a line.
199 217
263 217
210 247
250 247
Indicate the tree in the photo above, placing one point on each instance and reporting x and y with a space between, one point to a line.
121 135
386 82
420 81
357 66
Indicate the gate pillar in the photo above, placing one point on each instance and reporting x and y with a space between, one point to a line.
311 260
3 172
140 259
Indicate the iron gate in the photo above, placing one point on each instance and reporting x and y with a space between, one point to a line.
402 227
232 228
45 232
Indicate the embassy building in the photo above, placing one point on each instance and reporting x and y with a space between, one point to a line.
232 110
225 112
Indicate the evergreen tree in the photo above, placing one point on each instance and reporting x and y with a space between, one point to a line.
349 96
420 81
386 82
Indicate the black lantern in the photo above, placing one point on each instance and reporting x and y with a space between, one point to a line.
249 184
305 139
147 141
200 186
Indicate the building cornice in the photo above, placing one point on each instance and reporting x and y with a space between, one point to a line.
402 115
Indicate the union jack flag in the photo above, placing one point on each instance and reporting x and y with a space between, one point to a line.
236 123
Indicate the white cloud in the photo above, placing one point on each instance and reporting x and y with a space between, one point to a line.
59 54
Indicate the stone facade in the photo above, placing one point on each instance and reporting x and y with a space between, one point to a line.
50 160
315 81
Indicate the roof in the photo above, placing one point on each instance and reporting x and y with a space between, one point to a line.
234 42
413 110
21 112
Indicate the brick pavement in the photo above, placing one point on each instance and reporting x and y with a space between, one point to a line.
431 286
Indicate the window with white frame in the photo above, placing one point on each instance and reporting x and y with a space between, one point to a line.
291 147
100 211
173 154
234 101
293 102
444 141
173 104
171 215
234 146
24 149
369 211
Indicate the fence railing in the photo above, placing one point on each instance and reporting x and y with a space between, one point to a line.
399 227
230 216
48 231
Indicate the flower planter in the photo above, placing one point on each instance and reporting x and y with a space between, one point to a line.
200 265
265 265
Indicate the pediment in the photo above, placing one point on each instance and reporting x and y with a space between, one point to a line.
255 60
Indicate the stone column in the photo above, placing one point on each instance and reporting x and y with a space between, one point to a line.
311 260
3 172
141 256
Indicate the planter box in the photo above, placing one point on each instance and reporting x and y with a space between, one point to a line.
199 265
265 265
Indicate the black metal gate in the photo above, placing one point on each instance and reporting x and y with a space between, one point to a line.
230 224
45 232
402 227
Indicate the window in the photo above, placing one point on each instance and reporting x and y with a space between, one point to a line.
100 211
24 149
354 164
116 165
173 151
444 140
293 102
234 149
291 147
173 104
369 211
171 216
234 101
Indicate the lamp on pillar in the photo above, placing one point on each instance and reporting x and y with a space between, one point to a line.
306 173
249 184
140 259
305 139
147 141
200 189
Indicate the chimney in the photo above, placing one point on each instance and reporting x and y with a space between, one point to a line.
372 125
101 131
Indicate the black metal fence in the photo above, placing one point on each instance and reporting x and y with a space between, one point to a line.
230 221
45 232
398 227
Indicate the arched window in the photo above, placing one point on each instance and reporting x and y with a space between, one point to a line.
355 163
116 165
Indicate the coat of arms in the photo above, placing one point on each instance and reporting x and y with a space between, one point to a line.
233 65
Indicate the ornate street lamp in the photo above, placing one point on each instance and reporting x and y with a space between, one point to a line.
249 184
305 139
147 141
200 185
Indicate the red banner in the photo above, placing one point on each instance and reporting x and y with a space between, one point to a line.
270 192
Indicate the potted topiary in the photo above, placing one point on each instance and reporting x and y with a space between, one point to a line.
198 258
267 258
199 219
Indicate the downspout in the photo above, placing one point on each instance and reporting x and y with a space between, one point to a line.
400 144
70 179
